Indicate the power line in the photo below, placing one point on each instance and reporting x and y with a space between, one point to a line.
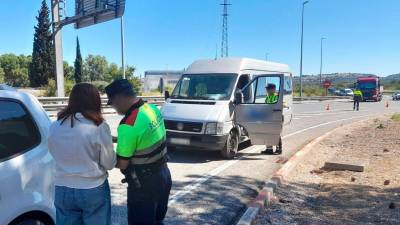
224 43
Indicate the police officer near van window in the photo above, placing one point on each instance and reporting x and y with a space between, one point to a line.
357 97
142 155
272 98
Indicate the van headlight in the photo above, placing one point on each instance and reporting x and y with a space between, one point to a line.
215 128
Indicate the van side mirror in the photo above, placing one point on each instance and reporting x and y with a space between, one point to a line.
238 98
166 95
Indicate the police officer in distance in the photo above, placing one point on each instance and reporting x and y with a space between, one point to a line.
142 155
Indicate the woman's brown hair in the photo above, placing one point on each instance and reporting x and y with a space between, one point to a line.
84 99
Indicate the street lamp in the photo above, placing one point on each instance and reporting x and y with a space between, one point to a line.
320 67
301 53
266 56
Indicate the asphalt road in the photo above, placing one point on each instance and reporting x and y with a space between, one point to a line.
210 190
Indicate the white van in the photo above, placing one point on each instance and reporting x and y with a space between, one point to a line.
26 166
218 104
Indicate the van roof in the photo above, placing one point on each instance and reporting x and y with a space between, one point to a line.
234 65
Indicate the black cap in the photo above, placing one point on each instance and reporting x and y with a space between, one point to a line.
119 87
271 86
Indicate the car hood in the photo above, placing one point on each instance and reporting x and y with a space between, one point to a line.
197 111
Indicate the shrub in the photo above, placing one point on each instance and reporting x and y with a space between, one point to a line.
51 88
100 85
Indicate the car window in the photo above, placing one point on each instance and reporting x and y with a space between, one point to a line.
18 131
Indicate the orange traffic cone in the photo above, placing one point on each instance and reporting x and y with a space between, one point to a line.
387 104
328 107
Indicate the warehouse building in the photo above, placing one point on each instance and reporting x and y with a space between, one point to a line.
154 79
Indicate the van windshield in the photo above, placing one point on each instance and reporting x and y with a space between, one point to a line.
205 86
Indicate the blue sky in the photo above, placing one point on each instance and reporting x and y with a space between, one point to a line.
362 35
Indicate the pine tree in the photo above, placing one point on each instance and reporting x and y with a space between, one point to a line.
78 63
43 64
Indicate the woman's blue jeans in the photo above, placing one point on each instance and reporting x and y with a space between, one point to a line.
83 206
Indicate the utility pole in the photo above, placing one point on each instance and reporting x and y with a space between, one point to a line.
320 67
301 51
122 48
57 38
224 44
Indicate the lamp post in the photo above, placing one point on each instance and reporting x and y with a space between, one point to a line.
123 48
301 51
266 56
320 67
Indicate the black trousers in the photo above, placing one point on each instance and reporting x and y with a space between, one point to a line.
356 104
148 204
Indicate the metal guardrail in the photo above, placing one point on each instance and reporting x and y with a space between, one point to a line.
57 103
321 98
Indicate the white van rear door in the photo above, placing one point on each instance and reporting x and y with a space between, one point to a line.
262 120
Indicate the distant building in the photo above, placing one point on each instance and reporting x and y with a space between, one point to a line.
153 79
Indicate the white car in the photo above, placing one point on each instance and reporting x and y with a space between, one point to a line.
26 167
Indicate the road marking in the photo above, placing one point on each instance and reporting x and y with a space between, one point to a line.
198 182
322 124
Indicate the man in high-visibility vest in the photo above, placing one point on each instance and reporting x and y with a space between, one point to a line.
272 96
142 155
357 97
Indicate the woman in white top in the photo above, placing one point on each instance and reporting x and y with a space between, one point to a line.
80 142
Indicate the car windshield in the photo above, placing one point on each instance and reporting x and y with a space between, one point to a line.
205 86
367 85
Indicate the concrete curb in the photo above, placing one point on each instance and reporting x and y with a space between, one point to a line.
266 196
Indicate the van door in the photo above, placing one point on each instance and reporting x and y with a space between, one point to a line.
262 119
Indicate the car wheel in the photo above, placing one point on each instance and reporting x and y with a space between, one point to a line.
31 222
231 146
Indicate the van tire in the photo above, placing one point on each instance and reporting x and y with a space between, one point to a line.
231 146
31 222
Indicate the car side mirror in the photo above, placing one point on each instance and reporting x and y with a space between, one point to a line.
238 98
166 95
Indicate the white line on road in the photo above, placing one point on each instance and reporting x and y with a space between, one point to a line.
322 124
195 184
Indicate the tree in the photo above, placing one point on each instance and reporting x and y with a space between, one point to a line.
1 75
136 83
15 69
68 71
96 67
42 66
78 63
114 72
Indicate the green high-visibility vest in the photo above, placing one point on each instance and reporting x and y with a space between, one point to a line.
357 93
142 135
271 99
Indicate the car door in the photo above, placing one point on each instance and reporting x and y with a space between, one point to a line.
262 121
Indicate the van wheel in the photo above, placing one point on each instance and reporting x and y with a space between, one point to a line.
231 146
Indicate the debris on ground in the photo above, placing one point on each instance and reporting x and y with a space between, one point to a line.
313 195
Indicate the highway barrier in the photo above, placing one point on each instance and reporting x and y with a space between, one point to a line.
57 103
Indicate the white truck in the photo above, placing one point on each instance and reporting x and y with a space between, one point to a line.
218 104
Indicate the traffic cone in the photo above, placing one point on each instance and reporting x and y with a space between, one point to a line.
328 107
387 104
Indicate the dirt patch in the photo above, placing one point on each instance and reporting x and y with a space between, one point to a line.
313 195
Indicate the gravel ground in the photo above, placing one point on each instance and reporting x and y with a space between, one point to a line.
313 195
